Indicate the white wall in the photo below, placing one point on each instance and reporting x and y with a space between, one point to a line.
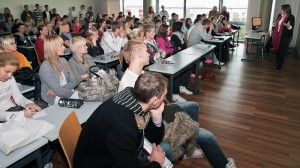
101 6
108 6
295 4
17 6
253 10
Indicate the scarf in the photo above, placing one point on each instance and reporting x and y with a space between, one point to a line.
125 98
277 34
180 36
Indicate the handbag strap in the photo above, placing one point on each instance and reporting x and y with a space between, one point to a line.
98 66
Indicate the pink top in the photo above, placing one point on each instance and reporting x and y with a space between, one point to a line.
76 27
165 44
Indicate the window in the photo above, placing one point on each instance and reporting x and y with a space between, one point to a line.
193 8
174 7
238 14
134 6
237 10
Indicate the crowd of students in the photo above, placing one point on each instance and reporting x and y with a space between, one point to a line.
141 42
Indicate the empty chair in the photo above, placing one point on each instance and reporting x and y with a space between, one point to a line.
68 136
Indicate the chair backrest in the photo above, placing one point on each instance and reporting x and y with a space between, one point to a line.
68 136
267 36
37 56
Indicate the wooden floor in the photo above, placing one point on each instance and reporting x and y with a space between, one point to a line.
254 112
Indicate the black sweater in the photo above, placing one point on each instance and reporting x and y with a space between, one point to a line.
286 33
111 138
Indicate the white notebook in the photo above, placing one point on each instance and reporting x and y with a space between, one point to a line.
148 148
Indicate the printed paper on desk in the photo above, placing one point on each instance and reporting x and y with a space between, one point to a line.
148 148
39 114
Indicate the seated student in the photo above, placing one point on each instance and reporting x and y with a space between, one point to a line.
76 26
55 15
101 26
224 26
9 24
162 40
10 95
157 25
51 31
134 34
115 40
110 141
214 23
30 30
177 37
136 61
57 77
64 31
137 58
94 48
80 62
20 34
191 28
9 44
156 53
199 33
26 14
219 24
39 42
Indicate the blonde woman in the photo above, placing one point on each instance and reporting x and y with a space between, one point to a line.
94 48
64 32
9 44
80 61
57 77
136 34
10 95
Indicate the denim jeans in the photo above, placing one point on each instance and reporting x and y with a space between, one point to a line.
212 151
181 80
191 108
119 72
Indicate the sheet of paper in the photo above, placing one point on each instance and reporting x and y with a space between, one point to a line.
39 114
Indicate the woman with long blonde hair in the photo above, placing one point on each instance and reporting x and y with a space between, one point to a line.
80 62
56 75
